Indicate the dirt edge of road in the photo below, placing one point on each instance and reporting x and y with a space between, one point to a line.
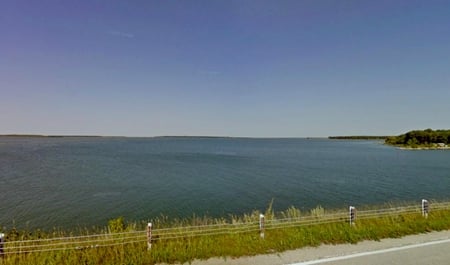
326 251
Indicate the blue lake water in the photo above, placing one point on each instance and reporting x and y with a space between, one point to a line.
70 182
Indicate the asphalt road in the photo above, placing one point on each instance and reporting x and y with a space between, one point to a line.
431 249
435 252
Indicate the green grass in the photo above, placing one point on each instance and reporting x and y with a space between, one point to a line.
229 237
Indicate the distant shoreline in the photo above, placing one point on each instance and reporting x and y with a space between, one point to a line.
49 136
153 137
358 137
422 148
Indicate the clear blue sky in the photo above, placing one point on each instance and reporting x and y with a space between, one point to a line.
229 68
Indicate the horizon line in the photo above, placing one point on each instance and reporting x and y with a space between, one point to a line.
182 136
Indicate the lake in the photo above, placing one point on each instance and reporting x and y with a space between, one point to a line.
68 182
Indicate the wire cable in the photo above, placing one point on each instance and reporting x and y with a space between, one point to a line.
185 232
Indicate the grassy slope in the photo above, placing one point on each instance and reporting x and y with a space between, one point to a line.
235 245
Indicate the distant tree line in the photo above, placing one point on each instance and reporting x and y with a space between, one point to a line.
358 137
426 137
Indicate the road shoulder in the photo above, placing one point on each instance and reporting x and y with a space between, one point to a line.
327 251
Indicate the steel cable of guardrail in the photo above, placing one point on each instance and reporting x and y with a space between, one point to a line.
204 226
130 237
220 229
381 214
209 231
77 244
207 234
198 233
304 222
375 215
76 237
447 206
308 218
311 217
271 225
175 232
8 245
301 224
72 248
392 211
187 228
15 246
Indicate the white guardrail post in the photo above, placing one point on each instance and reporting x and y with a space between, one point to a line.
149 236
261 225
352 214
2 242
425 208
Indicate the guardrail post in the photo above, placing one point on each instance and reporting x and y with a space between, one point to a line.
2 242
352 213
425 208
261 225
149 236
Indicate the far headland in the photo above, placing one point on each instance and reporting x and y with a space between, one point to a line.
413 140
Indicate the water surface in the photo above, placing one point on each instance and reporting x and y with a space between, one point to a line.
66 182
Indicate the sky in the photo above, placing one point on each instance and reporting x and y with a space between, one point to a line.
224 68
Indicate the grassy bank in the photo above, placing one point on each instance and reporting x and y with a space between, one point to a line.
176 241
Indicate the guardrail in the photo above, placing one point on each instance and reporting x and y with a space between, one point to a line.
153 236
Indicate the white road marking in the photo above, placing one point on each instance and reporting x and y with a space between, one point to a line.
362 254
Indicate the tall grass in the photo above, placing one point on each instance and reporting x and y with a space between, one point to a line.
183 240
